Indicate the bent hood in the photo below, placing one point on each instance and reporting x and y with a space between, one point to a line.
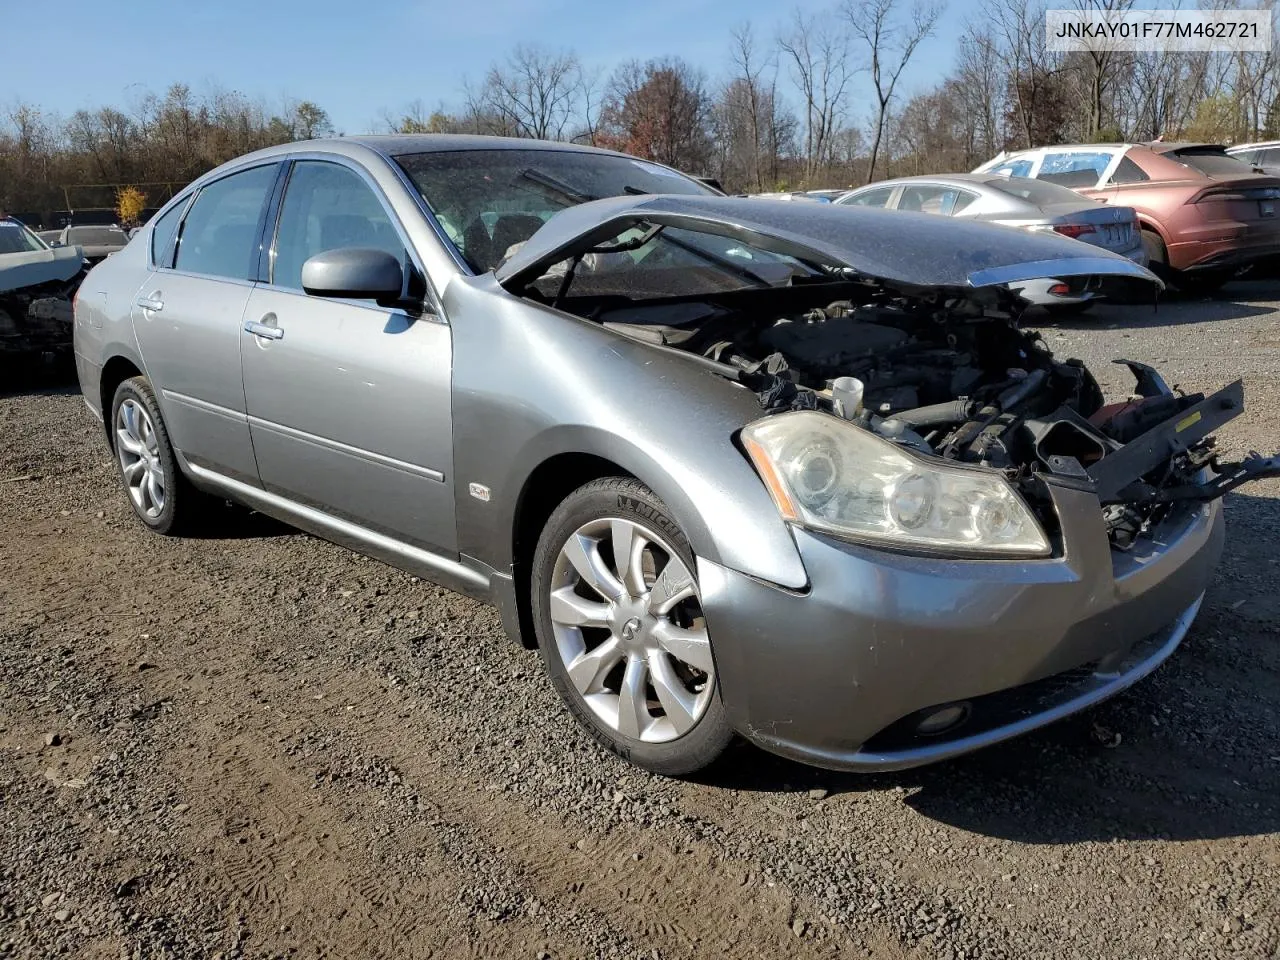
905 250
34 267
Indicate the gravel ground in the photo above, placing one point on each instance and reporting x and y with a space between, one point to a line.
261 745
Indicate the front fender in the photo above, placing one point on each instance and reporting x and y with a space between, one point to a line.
531 383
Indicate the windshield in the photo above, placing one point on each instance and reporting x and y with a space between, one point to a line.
646 263
15 238
489 201
1037 191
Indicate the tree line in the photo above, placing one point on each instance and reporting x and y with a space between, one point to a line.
816 101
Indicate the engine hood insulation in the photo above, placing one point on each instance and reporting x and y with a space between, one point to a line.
909 252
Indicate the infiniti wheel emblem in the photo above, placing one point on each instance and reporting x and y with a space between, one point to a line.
630 628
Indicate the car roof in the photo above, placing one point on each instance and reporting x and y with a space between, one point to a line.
1237 148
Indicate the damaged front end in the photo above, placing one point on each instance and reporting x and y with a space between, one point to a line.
36 290
906 327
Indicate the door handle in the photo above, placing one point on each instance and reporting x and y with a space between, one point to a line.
153 304
262 330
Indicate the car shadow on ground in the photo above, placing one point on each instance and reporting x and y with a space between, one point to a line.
23 375
1188 753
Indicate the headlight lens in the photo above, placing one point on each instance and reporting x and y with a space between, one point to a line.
827 474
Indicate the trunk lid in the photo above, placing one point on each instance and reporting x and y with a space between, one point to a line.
902 250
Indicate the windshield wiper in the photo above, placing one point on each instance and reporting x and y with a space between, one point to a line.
559 186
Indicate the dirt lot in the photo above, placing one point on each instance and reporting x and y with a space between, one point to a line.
261 745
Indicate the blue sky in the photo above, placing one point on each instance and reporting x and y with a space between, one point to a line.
359 60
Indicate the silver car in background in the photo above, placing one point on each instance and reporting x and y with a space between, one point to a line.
1018 202
734 466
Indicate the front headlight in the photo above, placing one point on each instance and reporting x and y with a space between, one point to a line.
828 474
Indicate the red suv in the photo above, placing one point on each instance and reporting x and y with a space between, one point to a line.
1205 216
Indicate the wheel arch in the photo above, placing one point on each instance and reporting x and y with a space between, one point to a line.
115 371
546 487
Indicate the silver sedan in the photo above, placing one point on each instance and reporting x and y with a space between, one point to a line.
1018 202
735 467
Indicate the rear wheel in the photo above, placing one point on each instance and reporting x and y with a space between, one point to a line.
161 497
620 628
1157 254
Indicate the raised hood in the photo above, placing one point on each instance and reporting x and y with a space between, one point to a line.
908 250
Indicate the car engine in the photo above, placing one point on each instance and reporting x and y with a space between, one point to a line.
955 378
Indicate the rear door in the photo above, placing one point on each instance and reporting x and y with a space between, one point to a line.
188 312
349 401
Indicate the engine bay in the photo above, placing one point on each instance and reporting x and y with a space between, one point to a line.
954 377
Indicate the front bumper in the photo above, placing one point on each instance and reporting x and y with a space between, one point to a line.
829 675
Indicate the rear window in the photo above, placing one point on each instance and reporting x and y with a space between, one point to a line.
1212 163
96 236
1038 192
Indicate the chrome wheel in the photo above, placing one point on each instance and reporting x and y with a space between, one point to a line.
140 463
629 629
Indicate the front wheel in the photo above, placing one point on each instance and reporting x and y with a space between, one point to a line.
621 631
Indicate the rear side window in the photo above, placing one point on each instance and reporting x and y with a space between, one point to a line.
328 207
929 198
1267 158
1128 172
220 234
163 232
872 198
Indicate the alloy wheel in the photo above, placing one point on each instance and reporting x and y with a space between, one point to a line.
140 463
629 629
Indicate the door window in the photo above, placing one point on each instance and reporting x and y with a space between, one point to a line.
162 235
872 198
220 235
328 207
934 198
1074 168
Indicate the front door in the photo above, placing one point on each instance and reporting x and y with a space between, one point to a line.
188 314
348 401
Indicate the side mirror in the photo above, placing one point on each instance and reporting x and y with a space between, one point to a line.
358 273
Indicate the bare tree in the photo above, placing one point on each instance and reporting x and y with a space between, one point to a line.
983 84
890 43
817 49
535 92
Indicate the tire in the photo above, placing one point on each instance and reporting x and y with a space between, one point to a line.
161 496
606 639
1157 255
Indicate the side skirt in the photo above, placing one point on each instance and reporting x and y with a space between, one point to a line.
473 581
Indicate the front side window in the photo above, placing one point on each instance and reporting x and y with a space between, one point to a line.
933 198
490 201
163 232
872 198
220 233
327 207
1074 168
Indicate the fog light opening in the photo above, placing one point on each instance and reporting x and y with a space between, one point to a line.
941 719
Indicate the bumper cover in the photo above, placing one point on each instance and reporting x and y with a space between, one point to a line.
824 676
